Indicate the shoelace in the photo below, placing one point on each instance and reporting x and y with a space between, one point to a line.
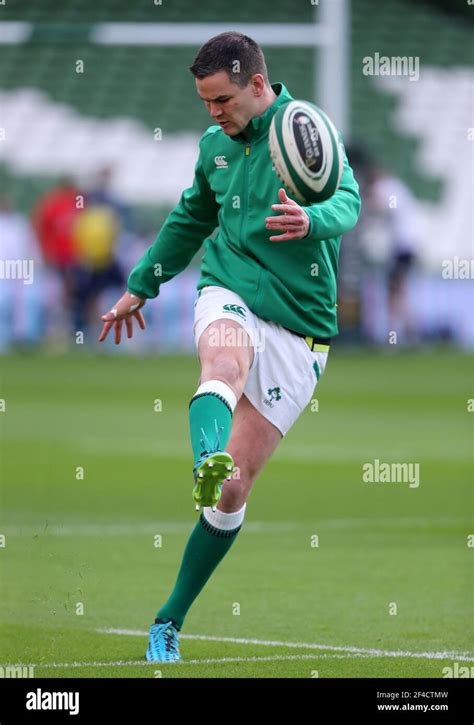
205 440
170 642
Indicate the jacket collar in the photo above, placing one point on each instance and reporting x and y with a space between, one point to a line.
258 126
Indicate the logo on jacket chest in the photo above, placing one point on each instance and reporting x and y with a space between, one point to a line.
221 162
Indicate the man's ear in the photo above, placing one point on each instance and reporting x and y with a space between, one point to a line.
258 84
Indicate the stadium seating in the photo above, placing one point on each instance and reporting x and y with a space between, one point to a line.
147 85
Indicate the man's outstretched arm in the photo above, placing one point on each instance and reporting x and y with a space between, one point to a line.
191 221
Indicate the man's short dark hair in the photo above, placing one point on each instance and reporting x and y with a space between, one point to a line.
237 54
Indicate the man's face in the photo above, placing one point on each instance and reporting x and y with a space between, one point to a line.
230 106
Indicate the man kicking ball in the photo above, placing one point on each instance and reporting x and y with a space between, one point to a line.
263 318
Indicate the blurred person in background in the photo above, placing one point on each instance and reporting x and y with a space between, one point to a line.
102 233
22 302
101 193
392 225
96 269
78 233
53 220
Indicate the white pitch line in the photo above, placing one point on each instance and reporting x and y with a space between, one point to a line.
460 656
124 663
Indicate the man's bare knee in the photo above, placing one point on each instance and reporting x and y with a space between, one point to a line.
224 366
229 363
227 366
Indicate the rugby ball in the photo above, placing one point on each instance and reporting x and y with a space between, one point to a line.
306 151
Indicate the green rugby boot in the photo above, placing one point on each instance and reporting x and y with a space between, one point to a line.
211 469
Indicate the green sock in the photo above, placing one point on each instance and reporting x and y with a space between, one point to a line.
209 412
206 547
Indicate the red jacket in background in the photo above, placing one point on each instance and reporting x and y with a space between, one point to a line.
53 220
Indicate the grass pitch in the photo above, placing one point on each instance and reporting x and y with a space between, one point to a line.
330 576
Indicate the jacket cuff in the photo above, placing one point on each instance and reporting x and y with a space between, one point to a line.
137 294
310 226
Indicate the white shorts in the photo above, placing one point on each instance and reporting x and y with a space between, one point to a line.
284 371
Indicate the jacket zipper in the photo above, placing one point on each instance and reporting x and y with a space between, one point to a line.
245 200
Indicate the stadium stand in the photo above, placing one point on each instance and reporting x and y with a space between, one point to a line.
60 121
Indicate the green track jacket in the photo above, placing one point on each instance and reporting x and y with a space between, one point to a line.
291 283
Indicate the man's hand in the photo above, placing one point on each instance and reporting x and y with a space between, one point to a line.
126 309
293 219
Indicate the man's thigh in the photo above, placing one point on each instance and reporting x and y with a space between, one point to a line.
252 442
223 326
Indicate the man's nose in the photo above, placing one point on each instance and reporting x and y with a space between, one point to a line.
215 111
